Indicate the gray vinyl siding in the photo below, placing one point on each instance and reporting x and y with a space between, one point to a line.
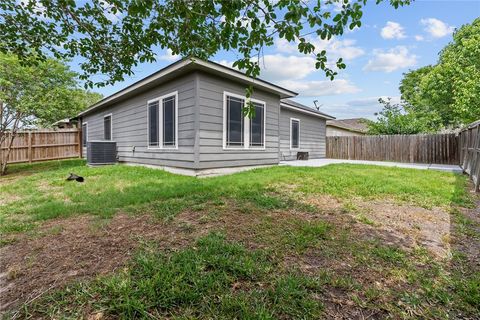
211 152
200 127
129 123
312 135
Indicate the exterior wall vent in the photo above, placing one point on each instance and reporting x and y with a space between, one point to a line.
101 152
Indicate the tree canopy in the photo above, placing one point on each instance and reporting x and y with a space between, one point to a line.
394 119
441 96
113 36
41 93
36 94
447 94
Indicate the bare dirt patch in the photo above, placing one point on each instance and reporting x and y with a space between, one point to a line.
403 225
466 234
325 203
65 250
429 228
75 249
83 247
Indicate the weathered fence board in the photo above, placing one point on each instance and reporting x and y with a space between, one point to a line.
41 145
422 148
470 152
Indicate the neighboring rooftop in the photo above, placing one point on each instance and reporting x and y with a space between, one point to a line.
287 103
354 125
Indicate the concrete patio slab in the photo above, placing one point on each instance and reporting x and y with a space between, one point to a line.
325 162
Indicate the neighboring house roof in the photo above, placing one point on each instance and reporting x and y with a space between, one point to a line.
66 121
62 121
290 104
354 125
183 66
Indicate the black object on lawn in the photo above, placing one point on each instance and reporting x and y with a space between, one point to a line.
73 176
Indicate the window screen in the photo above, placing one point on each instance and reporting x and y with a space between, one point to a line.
107 128
295 131
234 121
169 121
84 134
257 128
153 124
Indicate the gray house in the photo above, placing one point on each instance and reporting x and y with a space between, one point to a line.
187 118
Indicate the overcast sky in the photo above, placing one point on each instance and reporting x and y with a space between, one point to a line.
389 43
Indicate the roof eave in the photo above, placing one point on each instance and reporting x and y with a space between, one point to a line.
313 113
237 75
202 65
137 85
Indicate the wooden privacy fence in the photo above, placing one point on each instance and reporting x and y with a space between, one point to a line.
421 148
470 152
41 145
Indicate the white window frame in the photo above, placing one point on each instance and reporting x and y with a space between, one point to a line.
291 133
246 124
86 134
160 123
111 127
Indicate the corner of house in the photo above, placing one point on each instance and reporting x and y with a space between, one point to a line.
196 147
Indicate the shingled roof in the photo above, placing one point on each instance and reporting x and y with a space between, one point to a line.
355 124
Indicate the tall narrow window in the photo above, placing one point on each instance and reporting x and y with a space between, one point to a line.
294 133
84 134
107 127
153 132
162 122
257 126
169 121
234 122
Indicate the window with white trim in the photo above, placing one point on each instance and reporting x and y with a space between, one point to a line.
257 126
153 121
84 134
107 127
294 133
163 121
239 131
235 123
169 124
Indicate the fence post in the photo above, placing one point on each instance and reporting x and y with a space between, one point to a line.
30 153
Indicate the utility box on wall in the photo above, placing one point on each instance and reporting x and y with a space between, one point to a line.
101 152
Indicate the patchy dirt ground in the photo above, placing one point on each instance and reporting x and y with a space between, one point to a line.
65 250
402 225
467 230
74 249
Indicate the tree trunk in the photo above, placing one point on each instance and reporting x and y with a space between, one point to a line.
4 159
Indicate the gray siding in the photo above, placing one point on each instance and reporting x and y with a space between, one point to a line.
210 100
129 122
200 127
312 135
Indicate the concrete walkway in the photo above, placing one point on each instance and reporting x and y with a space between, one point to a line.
420 166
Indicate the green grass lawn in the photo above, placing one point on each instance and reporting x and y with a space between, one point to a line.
283 256
107 190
